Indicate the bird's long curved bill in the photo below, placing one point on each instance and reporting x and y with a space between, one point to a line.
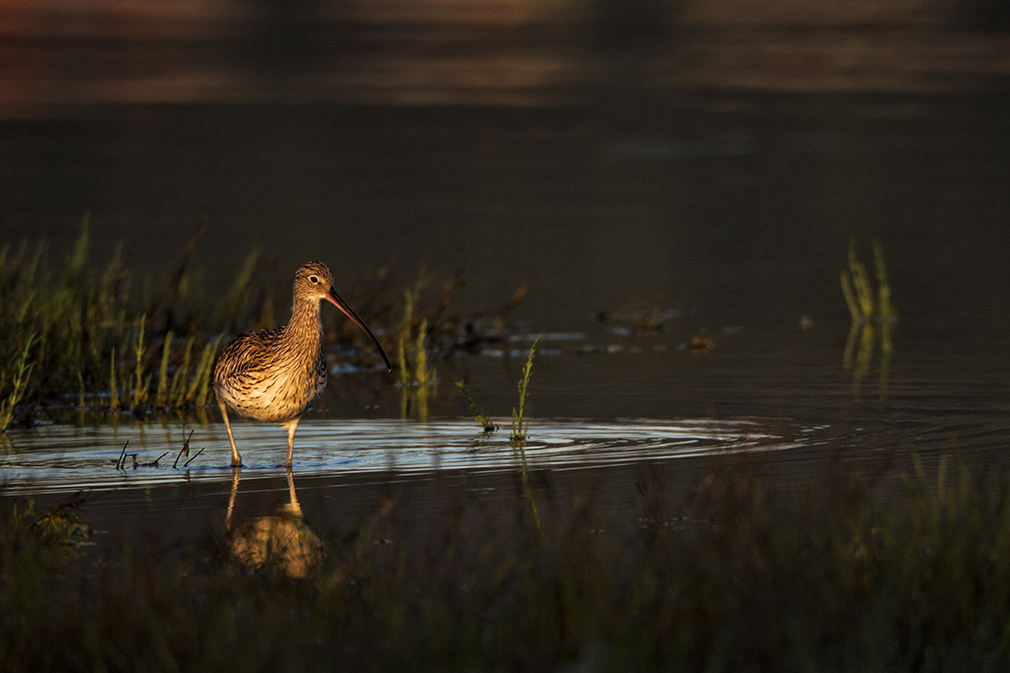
335 299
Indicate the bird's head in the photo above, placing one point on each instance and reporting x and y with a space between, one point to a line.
314 282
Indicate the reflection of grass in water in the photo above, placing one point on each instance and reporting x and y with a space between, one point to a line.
519 434
870 311
731 572
519 427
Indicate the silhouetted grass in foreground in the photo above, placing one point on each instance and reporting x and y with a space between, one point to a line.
739 574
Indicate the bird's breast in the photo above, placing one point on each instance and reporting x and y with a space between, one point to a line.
276 394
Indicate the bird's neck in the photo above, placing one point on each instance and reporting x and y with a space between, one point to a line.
305 327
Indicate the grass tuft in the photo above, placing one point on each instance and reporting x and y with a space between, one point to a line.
141 383
19 377
478 412
161 396
519 424
872 317
865 305
416 377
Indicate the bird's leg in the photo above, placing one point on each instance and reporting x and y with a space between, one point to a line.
231 500
236 460
293 507
291 425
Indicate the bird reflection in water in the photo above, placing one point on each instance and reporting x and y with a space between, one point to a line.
282 540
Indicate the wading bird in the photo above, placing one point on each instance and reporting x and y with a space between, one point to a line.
275 375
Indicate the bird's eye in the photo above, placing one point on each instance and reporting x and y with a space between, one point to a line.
313 279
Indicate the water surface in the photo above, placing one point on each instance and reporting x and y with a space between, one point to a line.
69 459
724 210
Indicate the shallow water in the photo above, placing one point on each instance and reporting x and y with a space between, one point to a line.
69 459
725 212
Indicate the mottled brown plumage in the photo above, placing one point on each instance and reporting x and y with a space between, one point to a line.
276 375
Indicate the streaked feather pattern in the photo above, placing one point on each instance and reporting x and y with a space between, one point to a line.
275 375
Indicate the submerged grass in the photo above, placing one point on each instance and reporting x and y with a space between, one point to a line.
730 573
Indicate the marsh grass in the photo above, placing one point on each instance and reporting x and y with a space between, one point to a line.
394 299
110 341
518 438
417 378
732 572
518 435
873 316
88 334
19 376
519 424
238 296
479 415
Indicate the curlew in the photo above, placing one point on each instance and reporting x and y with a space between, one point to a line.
275 375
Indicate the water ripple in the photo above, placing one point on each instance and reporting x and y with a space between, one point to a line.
66 458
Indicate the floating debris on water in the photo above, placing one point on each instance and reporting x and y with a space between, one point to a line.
632 322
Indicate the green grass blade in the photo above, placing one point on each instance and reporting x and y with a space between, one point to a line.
518 424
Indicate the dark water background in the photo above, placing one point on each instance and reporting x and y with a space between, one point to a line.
741 218
592 158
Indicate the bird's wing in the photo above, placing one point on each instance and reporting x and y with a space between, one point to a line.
246 355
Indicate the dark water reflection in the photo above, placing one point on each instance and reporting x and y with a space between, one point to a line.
400 486
282 537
